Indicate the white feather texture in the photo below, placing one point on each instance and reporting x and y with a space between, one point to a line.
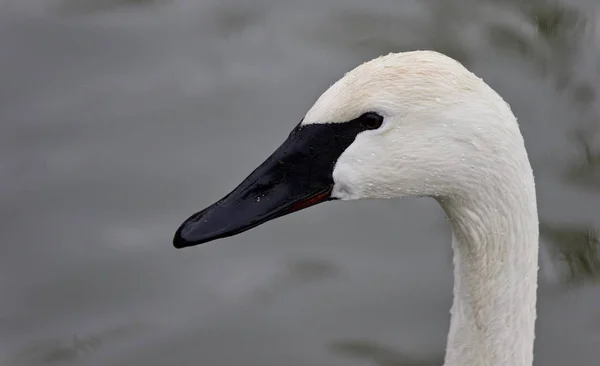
448 135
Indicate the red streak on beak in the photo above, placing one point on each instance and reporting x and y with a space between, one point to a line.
311 201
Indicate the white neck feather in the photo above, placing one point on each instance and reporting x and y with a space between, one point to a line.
449 135
495 244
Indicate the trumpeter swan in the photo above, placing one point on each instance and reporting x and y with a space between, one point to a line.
415 124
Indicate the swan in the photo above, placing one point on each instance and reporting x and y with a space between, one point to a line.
415 123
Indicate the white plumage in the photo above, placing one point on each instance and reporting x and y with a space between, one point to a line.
448 135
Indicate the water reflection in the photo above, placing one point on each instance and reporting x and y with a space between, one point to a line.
293 274
585 171
577 247
77 349
381 355
75 7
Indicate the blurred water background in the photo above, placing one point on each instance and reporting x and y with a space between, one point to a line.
118 118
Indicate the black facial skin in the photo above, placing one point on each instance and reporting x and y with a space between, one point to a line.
297 175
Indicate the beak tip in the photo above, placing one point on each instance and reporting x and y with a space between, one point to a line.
190 234
179 242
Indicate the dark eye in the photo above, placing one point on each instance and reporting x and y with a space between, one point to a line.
371 120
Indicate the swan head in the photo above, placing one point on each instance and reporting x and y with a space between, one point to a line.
406 124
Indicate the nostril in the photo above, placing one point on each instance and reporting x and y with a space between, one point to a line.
265 185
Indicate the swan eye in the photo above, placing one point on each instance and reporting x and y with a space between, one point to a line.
371 120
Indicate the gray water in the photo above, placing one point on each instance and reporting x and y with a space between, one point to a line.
120 118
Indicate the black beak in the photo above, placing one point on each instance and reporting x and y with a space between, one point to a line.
296 176
292 178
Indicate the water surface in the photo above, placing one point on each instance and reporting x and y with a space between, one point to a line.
119 118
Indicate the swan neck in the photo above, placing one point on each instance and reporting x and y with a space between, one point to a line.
495 248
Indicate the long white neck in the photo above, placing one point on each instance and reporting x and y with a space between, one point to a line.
495 244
